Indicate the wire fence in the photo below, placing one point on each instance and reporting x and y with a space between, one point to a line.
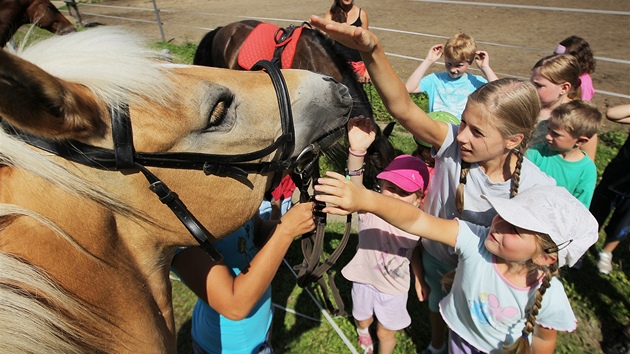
161 19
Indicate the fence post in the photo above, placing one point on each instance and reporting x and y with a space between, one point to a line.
159 22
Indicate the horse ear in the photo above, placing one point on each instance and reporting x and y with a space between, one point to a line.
41 104
388 129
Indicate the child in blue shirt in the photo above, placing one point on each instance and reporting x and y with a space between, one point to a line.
570 126
448 91
233 313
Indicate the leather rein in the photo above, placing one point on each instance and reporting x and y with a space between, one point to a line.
125 158
315 264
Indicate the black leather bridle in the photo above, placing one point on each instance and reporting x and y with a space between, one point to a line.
124 157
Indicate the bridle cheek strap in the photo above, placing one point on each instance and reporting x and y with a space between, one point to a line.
124 152
171 199
123 138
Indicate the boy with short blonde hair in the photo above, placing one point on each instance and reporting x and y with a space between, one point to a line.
571 125
448 91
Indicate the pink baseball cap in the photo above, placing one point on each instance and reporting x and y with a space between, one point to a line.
407 172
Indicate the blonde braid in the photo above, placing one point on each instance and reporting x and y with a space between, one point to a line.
516 176
521 345
459 194
448 278
520 154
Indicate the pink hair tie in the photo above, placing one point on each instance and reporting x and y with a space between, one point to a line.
560 49
356 154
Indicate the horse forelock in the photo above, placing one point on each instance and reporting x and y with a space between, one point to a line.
116 64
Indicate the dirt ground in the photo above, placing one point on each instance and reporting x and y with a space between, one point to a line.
515 38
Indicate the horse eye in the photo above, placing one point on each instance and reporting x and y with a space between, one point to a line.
219 112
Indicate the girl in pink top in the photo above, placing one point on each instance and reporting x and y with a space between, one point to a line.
581 50
379 271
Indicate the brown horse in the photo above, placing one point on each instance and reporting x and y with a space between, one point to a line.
315 52
42 13
85 246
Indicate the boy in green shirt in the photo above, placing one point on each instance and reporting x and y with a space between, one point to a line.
570 126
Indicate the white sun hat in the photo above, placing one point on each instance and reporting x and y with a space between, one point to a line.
553 211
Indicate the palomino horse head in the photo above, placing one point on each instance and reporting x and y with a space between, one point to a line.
42 13
315 52
85 251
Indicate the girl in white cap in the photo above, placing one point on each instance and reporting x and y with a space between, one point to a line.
496 304
379 271
483 155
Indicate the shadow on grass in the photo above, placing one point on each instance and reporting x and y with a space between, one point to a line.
599 301
289 328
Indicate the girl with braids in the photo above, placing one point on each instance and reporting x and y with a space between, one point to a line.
505 298
483 155
345 11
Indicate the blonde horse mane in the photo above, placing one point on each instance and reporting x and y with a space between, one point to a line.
116 64
36 315
40 327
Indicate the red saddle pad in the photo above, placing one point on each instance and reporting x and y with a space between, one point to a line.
260 44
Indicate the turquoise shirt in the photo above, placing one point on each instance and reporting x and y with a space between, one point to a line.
578 177
448 94
217 334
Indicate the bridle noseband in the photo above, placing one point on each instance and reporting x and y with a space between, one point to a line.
125 158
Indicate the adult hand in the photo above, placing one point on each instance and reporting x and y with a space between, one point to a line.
350 36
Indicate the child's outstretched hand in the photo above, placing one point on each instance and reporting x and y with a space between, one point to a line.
297 221
361 134
341 196
350 36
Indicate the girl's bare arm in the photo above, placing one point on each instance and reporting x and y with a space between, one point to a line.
544 340
343 197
